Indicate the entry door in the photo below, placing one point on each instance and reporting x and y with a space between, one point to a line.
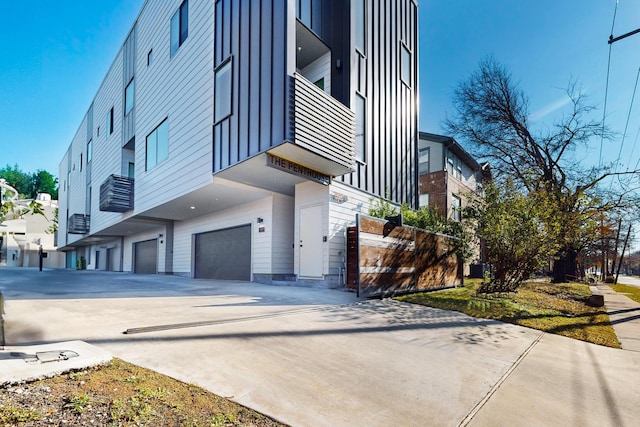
146 257
311 241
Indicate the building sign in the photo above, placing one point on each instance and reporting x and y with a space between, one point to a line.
296 169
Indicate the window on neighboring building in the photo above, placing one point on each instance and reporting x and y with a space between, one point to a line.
424 200
361 128
361 19
223 82
89 151
149 57
157 147
179 27
459 171
456 208
110 122
129 97
423 160
450 166
405 64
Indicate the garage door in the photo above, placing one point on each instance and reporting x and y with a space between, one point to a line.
145 259
224 254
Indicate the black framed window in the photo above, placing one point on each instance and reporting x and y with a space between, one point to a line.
129 97
361 127
179 26
223 84
157 146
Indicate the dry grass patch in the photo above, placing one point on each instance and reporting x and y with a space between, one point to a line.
555 308
120 394
632 292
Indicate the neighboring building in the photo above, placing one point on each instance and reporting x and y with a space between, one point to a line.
237 139
446 173
22 235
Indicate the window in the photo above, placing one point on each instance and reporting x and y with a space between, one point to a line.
459 171
423 160
157 145
450 167
80 162
361 127
361 18
98 132
456 208
179 27
110 122
129 97
149 57
89 151
424 200
222 101
405 65
132 170
320 83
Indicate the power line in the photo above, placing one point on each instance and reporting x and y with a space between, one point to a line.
606 88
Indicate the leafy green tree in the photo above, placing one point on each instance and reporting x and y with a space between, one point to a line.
29 185
492 117
18 179
44 182
426 219
518 231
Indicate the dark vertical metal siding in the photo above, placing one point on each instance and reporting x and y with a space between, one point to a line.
254 35
129 71
392 116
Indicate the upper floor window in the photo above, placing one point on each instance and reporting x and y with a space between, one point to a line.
223 82
405 64
423 160
149 57
129 97
361 19
361 127
179 26
157 147
110 122
456 208
89 151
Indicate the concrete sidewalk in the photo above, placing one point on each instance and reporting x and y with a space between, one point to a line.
313 357
624 314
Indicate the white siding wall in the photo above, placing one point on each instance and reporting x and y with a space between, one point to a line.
240 215
345 203
129 241
77 178
180 89
107 149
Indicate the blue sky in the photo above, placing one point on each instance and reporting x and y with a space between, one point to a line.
56 54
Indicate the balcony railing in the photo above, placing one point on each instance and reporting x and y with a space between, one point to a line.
116 194
322 124
79 224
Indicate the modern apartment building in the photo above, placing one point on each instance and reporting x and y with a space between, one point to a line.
237 139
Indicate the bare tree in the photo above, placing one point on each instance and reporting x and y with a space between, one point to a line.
492 116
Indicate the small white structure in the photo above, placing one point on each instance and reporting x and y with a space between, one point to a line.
22 235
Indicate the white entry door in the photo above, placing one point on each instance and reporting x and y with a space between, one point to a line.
311 241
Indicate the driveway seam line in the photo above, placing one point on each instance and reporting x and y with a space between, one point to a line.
466 420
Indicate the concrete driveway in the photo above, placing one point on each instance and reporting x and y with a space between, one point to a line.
314 357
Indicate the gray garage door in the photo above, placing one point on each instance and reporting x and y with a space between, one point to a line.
224 254
145 259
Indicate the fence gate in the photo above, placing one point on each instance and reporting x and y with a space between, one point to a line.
387 259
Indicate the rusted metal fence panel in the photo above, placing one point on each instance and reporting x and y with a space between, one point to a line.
386 259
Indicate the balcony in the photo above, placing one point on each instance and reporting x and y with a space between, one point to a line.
79 224
116 194
323 130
